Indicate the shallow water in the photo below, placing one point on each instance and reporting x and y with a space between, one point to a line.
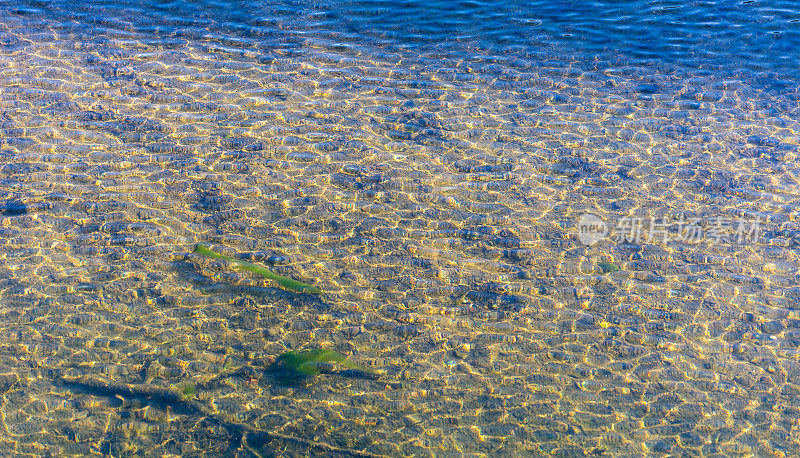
567 230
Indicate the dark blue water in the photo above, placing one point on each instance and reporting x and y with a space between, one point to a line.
734 38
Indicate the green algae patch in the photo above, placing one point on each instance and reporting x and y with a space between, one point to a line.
284 282
188 390
301 364
608 267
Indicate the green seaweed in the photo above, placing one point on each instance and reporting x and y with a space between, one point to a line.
188 390
608 267
287 283
297 365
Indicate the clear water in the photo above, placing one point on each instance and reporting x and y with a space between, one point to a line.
548 228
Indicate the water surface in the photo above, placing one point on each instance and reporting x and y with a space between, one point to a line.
428 165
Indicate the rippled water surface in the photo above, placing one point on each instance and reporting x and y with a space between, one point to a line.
434 168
